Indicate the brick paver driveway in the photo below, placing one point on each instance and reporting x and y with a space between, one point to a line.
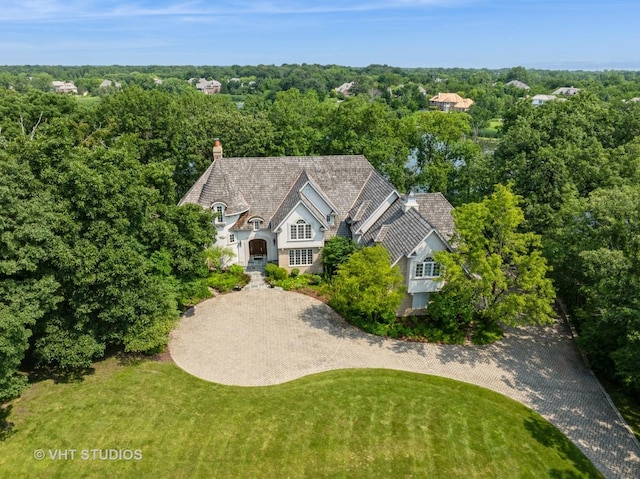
263 337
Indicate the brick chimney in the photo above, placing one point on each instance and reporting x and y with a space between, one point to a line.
217 150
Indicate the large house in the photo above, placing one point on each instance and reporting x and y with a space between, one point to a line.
518 84
567 91
345 88
208 87
283 209
450 102
64 87
541 99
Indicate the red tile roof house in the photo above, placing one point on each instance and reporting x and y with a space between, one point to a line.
451 102
283 209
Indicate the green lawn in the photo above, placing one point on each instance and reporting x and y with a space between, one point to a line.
88 100
350 424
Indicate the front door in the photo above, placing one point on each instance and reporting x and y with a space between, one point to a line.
258 247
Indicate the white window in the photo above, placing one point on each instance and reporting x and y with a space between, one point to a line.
219 211
300 231
232 238
256 224
300 257
427 269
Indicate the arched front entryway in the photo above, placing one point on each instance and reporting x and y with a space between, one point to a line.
257 254
258 249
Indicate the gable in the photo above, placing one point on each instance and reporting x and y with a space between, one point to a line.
436 209
267 186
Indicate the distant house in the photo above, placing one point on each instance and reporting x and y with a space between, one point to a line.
281 210
518 84
566 91
64 87
208 87
109 83
451 102
542 99
345 88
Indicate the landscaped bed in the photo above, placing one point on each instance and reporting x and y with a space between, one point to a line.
350 423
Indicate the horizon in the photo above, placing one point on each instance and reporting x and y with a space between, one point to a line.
588 35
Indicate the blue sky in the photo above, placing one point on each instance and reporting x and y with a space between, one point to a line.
562 34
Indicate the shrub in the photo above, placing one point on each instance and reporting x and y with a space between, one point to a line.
236 269
335 252
270 270
487 333
295 272
452 307
217 256
367 288
192 292
228 280
275 274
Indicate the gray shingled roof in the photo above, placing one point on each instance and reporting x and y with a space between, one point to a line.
222 190
270 188
374 192
398 231
519 84
437 211
290 200
266 183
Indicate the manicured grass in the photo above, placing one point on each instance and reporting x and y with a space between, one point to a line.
88 100
495 124
349 424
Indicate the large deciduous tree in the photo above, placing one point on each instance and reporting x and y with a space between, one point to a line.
443 158
597 252
94 252
502 267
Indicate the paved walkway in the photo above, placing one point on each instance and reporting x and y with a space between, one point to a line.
256 282
262 337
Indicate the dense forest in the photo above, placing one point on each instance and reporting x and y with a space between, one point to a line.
95 254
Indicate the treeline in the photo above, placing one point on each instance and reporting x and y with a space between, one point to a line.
577 166
400 88
94 253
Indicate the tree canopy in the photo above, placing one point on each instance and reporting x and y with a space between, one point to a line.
502 268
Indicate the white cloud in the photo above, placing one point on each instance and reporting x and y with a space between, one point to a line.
64 10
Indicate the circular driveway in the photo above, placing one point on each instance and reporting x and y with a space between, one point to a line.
257 338
263 337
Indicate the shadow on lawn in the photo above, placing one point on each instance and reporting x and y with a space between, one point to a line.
537 366
552 438
58 375
541 368
6 427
